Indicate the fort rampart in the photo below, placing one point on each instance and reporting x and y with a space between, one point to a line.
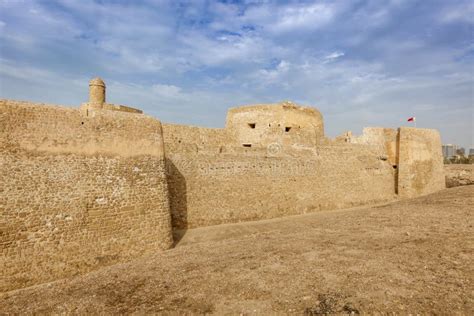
77 191
83 188
240 184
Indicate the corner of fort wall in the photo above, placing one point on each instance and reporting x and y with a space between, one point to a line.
78 192
421 169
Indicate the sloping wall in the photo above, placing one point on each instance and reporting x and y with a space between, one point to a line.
77 192
420 169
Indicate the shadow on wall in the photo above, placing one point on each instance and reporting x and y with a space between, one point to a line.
397 162
178 201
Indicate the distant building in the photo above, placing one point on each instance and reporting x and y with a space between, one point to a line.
471 152
461 151
449 150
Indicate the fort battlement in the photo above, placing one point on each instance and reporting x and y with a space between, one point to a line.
101 184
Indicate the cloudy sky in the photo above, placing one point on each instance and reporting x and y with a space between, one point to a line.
361 62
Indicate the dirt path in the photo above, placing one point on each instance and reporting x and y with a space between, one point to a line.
413 256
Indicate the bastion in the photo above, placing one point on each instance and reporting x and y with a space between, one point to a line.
101 184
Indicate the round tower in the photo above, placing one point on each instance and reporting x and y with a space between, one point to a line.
97 91
282 123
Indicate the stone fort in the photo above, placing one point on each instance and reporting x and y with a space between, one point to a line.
103 183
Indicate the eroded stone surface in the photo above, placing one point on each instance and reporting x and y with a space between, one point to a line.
459 174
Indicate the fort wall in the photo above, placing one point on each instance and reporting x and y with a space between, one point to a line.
83 188
213 179
386 138
240 184
187 139
77 192
420 169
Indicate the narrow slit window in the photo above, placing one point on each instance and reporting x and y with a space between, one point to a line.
252 125
247 145
287 129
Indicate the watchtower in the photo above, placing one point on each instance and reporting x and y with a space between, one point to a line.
97 91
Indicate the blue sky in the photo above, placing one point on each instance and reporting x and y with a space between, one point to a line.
361 63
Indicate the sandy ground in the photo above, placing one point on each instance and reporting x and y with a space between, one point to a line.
414 256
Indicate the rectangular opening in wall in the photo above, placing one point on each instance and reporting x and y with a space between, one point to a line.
287 129
247 145
252 125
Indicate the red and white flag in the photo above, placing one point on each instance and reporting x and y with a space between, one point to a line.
412 119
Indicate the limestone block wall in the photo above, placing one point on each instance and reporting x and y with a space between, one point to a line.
209 189
420 168
183 138
459 174
77 192
387 138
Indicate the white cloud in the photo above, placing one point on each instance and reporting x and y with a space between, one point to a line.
306 17
291 17
266 77
205 51
333 56
458 13
165 90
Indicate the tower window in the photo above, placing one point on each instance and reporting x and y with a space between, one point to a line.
287 129
247 145
252 125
